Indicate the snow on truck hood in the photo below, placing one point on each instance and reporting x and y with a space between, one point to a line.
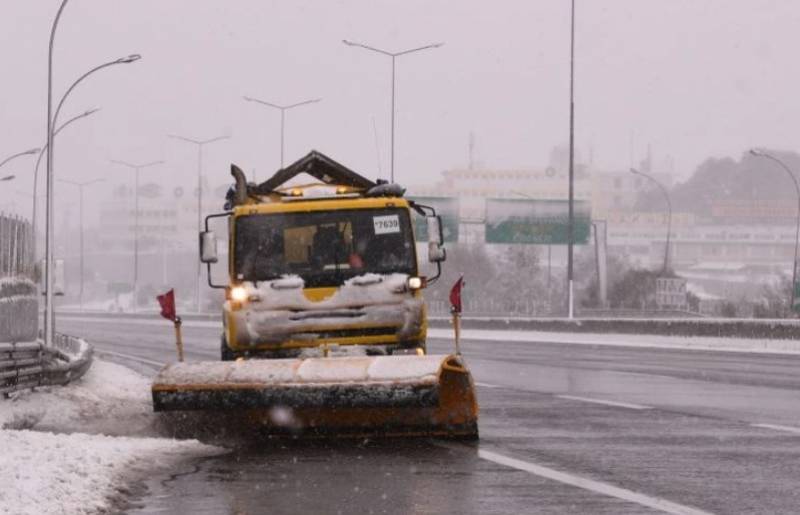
286 293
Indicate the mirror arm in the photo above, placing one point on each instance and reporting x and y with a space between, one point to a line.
420 208
433 279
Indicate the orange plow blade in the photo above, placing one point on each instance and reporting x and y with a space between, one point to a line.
339 396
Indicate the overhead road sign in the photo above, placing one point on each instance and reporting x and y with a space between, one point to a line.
540 222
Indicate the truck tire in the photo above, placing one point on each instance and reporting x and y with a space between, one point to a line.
226 354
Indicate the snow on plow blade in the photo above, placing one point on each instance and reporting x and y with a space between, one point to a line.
384 395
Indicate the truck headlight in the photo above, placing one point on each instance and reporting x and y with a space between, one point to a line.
415 283
239 294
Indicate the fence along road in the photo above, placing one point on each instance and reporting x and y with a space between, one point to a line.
16 246
24 361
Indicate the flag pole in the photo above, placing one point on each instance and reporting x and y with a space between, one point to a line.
457 329
179 338
455 310
167 303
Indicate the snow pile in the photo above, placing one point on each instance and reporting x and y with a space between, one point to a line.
109 399
43 473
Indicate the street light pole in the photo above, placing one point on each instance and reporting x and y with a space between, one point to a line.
49 319
80 186
762 153
283 109
665 192
571 221
200 144
394 56
49 328
7 178
36 172
137 168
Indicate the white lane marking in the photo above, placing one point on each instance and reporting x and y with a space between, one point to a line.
788 429
146 361
591 485
604 402
487 385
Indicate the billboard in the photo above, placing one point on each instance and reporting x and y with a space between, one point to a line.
447 208
541 222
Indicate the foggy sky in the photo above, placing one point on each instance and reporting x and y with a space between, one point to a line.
692 78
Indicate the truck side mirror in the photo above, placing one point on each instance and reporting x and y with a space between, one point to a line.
208 247
436 253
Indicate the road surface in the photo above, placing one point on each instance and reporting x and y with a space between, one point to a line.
564 428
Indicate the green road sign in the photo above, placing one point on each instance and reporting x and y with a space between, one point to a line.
542 222
447 208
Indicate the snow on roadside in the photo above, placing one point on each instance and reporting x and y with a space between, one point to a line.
88 471
44 473
748 345
109 399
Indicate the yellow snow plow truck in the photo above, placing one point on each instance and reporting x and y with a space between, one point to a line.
324 320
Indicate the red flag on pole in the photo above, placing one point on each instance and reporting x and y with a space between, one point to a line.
455 295
167 302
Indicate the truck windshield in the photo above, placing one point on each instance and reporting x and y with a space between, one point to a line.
324 248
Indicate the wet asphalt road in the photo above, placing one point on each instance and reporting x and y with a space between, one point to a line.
677 430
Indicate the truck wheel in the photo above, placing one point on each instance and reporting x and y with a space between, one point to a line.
226 354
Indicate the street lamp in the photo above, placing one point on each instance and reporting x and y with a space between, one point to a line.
200 144
665 192
7 178
283 110
26 153
571 219
394 56
137 168
761 153
49 319
80 186
49 226
36 170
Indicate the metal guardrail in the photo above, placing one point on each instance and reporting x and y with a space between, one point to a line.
32 364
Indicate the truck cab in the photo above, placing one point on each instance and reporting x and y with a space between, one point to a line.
322 269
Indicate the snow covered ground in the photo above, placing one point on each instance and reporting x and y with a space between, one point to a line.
79 448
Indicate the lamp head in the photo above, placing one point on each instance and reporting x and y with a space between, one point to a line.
129 59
